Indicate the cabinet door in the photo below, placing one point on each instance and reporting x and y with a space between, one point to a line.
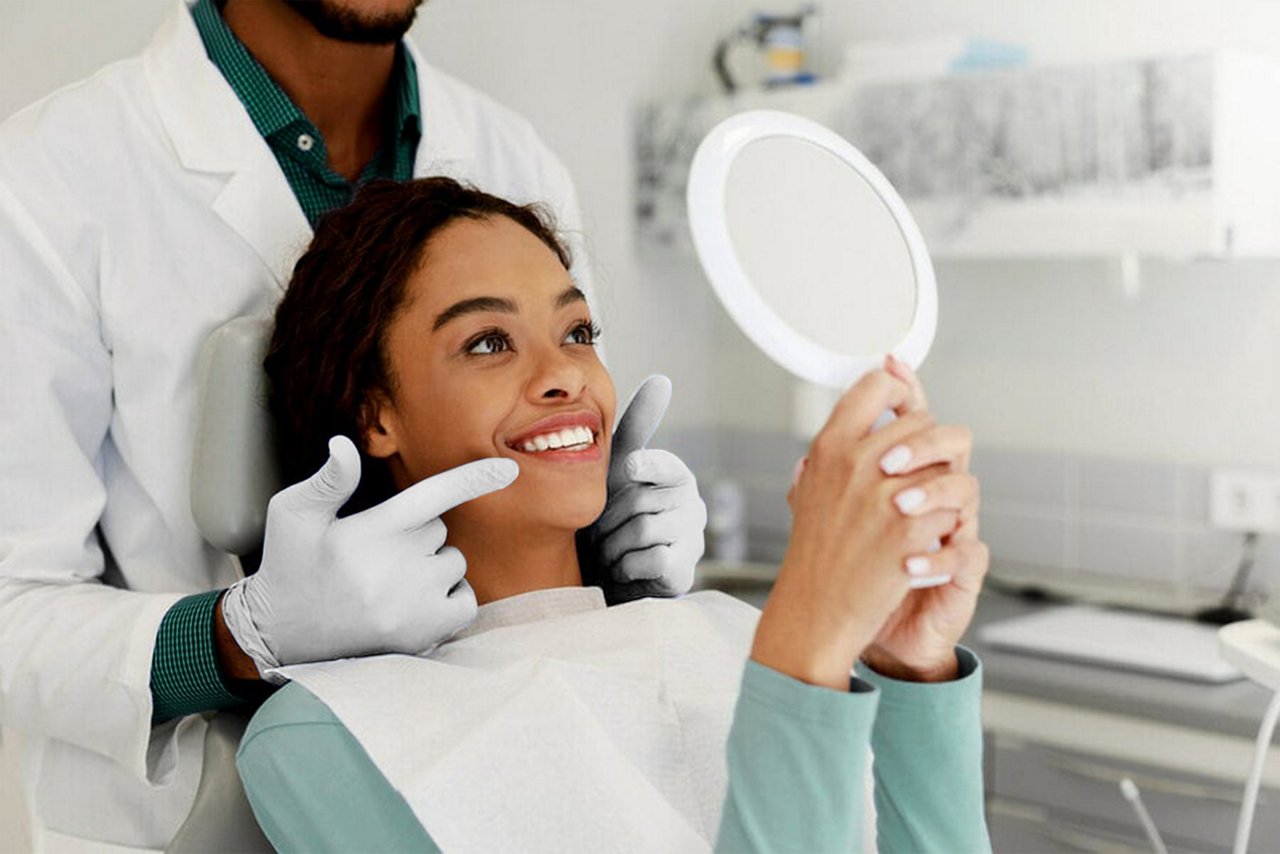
1084 790
1022 829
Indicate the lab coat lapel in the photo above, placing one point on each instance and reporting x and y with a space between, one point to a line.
445 148
212 133
259 205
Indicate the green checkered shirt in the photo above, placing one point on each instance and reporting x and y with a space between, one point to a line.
296 142
184 670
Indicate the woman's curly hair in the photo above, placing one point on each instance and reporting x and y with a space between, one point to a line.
327 354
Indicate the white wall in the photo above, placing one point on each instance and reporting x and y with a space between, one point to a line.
1039 355
1044 355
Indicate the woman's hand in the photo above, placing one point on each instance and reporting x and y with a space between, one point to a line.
917 642
845 570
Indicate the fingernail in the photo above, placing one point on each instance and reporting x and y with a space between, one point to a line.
918 565
909 499
895 460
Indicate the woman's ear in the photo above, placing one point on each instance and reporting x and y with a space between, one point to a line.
378 426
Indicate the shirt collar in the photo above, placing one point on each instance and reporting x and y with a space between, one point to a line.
267 104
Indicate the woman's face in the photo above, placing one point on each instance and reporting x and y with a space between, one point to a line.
492 355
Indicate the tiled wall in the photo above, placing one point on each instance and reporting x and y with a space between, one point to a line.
1045 513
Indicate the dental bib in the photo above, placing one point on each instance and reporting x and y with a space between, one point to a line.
553 723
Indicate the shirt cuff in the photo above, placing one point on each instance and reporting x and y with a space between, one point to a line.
966 685
765 686
185 678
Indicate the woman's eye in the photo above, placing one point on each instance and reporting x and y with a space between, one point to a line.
490 343
583 333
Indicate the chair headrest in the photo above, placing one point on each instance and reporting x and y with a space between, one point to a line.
234 471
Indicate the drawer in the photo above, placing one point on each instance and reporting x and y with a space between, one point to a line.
1084 788
1024 829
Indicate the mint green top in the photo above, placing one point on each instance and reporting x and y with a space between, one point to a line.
796 755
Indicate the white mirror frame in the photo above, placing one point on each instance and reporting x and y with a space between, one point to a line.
709 226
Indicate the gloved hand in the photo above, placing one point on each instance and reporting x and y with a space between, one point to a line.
650 536
377 581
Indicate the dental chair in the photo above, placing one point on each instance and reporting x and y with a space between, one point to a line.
233 475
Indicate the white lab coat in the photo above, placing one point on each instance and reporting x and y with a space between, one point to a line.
139 210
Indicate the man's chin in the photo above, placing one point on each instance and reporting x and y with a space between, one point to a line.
333 19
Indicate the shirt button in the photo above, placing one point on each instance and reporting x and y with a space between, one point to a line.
305 142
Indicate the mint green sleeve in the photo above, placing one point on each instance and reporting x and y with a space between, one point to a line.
927 742
313 788
797 757
798 761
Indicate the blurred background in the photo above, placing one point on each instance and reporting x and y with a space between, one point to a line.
1100 405
1098 186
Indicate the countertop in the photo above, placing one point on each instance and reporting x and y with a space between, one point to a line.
1233 708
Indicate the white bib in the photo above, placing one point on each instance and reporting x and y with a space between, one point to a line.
554 723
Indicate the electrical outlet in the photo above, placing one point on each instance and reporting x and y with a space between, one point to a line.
1245 500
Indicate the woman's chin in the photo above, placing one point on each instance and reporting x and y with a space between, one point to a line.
583 513
569 510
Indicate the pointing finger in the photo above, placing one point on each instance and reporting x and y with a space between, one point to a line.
429 499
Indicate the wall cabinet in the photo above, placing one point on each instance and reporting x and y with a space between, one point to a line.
1175 157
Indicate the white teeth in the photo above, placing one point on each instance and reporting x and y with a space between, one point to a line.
576 438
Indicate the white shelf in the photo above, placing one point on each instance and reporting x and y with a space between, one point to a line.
1171 157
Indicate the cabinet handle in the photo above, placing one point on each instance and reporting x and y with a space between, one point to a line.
1146 782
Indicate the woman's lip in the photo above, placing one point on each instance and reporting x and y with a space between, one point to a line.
581 418
591 453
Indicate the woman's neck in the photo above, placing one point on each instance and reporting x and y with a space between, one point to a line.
499 566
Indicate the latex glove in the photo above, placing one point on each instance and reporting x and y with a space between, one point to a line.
650 536
377 581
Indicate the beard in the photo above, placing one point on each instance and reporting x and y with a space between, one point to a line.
347 25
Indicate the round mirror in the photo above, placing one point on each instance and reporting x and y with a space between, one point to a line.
809 248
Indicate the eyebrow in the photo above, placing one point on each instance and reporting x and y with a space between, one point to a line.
568 296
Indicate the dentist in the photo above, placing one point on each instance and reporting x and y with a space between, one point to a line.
140 209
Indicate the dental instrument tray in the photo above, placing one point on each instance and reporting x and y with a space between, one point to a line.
1168 646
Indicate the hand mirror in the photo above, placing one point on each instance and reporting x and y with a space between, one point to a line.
809 248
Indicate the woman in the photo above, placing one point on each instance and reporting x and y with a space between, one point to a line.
433 326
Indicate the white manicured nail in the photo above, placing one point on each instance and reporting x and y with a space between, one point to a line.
909 499
918 565
895 460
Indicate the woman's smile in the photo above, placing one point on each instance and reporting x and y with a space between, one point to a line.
569 437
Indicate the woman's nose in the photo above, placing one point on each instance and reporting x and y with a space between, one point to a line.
557 377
